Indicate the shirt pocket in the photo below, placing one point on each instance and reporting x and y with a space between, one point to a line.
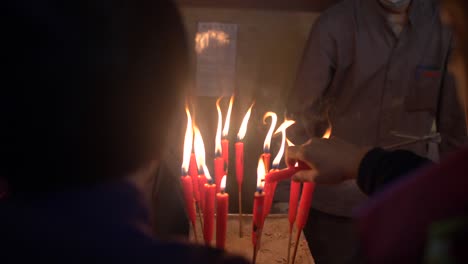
423 92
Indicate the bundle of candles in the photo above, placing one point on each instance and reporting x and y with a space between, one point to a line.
204 195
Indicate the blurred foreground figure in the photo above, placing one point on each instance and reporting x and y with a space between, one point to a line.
371 69
419 210
89 88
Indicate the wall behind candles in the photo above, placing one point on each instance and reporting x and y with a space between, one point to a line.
269 49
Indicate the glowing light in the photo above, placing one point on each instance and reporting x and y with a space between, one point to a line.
228 117
200 154
260 174
187 143
327 133
274 120
222 186
282 128
290 144
215 38
245 121
218 149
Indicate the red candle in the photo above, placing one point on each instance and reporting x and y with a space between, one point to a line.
201 188
258 208
208 213
218 161
257 223
279 175
193 171
266 160
266 144
222 205
239 147
188 197
219 171
225 141
225 152
270 188
304 204
294 192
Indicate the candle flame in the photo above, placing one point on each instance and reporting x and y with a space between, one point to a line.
187 143
290 144
228 117
245 121
222 186
327 133
282 128
260 174
274 120
200 154
218 149
213 37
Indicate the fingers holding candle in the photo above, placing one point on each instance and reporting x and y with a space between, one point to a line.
332 161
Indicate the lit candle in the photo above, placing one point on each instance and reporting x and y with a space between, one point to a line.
186 181
208 214
284 174
225 141
201 188
193 172
239 147
209 189
270 186
266 144
305 203
222 202
258 211
294 193
218 161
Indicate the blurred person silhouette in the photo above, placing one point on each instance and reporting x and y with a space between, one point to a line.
89 91
372 69
418 212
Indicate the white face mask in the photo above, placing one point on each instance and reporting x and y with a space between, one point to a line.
396 5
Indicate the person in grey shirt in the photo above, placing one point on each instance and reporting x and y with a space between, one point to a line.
372 68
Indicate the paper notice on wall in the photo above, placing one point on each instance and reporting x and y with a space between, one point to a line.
215 46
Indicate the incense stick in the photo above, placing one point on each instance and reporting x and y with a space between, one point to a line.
295 246
254 258
241 232
289 243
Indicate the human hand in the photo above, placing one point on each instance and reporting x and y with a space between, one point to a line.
331 161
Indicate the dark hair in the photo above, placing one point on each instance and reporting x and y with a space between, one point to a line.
89 89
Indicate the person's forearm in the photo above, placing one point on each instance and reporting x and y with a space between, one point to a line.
380 167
